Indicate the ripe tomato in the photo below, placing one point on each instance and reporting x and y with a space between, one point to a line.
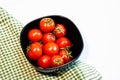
63 42
47 24
50 49
59 30
34 35
44 61
65 55
34 51
56 61
48 37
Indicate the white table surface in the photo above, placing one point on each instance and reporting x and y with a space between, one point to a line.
97 20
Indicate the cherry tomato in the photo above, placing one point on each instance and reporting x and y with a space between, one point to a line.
34 51
59 30
47 24
50 49
48 37
56 61
65 55
44 61
34 35
63 42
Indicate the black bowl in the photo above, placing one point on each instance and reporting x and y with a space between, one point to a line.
72 33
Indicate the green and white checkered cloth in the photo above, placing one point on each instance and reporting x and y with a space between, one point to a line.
14 65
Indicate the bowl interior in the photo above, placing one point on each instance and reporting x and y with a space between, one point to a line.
72 33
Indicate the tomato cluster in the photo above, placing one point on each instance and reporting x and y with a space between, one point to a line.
49 45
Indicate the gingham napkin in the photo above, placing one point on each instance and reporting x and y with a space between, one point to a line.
14 65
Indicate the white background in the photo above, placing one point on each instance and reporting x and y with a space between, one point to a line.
97 20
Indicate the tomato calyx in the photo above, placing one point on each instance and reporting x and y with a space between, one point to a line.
68 53
58 29
58 61
28 48
67 48
49 21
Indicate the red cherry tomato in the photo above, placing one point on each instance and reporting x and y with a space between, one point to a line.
47 24
63 42
34 35
65 55
56 61
44 61
50 49
34 51
59 30
48 37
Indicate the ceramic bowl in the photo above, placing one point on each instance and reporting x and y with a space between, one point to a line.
73 34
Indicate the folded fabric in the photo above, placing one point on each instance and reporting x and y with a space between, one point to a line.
14 65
